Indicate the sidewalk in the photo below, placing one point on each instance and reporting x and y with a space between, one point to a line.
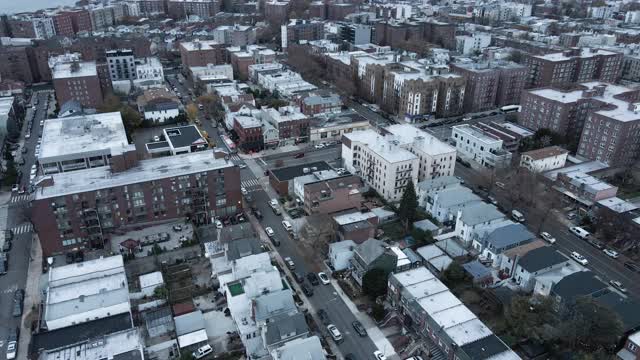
376 335
278 150
32 297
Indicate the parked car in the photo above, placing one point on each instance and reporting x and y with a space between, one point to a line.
275 241
500 185
290 264
313 279
243 190
324 317
547 237
618 285
318 146
357 326
299 278
632 266
324 279
299 155
307 290
177 228
18 301
579 232
269 231
579 258
218 224
287 225
611 253
595 243
15 188
12 343
378 355
258 214
202 351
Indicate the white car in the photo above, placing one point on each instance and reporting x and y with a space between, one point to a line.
243 190
202 351
287 225
11 350
324 279
290 264
547 237
379 355
15 188
611 253
156 138
579 258
318 146
618 285
218 224
269 231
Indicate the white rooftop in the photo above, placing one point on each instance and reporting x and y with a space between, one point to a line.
70 66
107 347
429 144
147 170
584 53
151 279
82 136
197 45
476 133
352 217
65 274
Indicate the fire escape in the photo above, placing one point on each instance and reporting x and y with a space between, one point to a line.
199 206
92 226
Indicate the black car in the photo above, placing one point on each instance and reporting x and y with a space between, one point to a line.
258 214
595 243
275 241
299 278
8 234
18 301
313 279
324 317
350 357
632 266
7 246
307 290
359 328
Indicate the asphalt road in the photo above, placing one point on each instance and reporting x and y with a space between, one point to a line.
329 154
19 255
602 265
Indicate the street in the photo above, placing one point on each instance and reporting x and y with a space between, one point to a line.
602 265
14 214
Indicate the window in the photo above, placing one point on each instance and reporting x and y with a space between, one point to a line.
632 347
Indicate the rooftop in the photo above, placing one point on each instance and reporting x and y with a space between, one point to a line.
147 170
189 323
353 217
291 172
123 345
420 140
184 136
151 279
306 348
578 284
65 70
506 237
480 212
83 136
285 327
584 53
197 45
437 183
274 304
546 152
618 205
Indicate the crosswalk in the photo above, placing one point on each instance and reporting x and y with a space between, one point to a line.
235 157
22 229
251 184
20 198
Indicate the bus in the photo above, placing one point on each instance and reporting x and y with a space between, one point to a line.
510 108
229 144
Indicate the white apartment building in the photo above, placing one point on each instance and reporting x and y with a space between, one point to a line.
149 69
212 71
286 83
387 163
545 159
121 64
474 144
467 44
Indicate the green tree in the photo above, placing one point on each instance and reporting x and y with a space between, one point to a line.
531 318
374 283
422 237
161 292
377 312
454 275
408 206
591 327
186 356
11 174
130 117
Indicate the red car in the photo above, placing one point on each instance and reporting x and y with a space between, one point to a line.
299 155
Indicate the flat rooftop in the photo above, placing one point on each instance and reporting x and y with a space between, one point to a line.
125 345
291 172
198 45
82 136
147 170
476 133
65 70
429 144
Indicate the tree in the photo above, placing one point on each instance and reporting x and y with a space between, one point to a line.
454 275
212 105
531 318
10 176
192 111
374 283
377 312
408 206
161 292
130 117
591 326
421 237
186 356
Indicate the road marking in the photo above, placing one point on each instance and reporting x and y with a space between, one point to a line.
250 183
22 229
235 157
20 198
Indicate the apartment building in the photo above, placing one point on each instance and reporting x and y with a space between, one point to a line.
321 102
249 131
121 64
203 9
276 11
201 53
298 29
602 118
152 7
545 159
571 66
442 319
356 34
470 44
80 209
16 63
235 35
631 68
492 84
292 125
74 79
31 26
475 144
388 162
328 192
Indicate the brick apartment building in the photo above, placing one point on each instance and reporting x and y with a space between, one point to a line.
152 7
242 58
571 66
602 119
248 130
31 26
394 33
71 22
318 10
17 63
331 195
276 11
74 79
204 9
491 85
292 125
298 29
80 210
338 11
201 53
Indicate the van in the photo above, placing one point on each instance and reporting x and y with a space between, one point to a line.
287 225
579 232
335 333
202 351
517 216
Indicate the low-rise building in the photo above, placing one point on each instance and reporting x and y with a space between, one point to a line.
248 129
191 330
444 204
372 254
427 189
159 106
331 127
127 343
303 348
476 218
545 159
282 179
631 348
78 293
340 253
292 125
235 35
322 195
357 226
201 53
475 144
320 103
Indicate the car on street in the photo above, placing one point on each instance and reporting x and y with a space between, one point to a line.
15 188
324 317
243 190
618 285
500 185
313 279
357 326
378 355
177 228
287 225
632 266
595 243
492 200
218 224
579 258
324 279
547 237
269 231
307 290
318 146
299 278
242 166
12 343
611 253
258 214
156 138
289 262
579 232
335 333
298 155
18 301
202 351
